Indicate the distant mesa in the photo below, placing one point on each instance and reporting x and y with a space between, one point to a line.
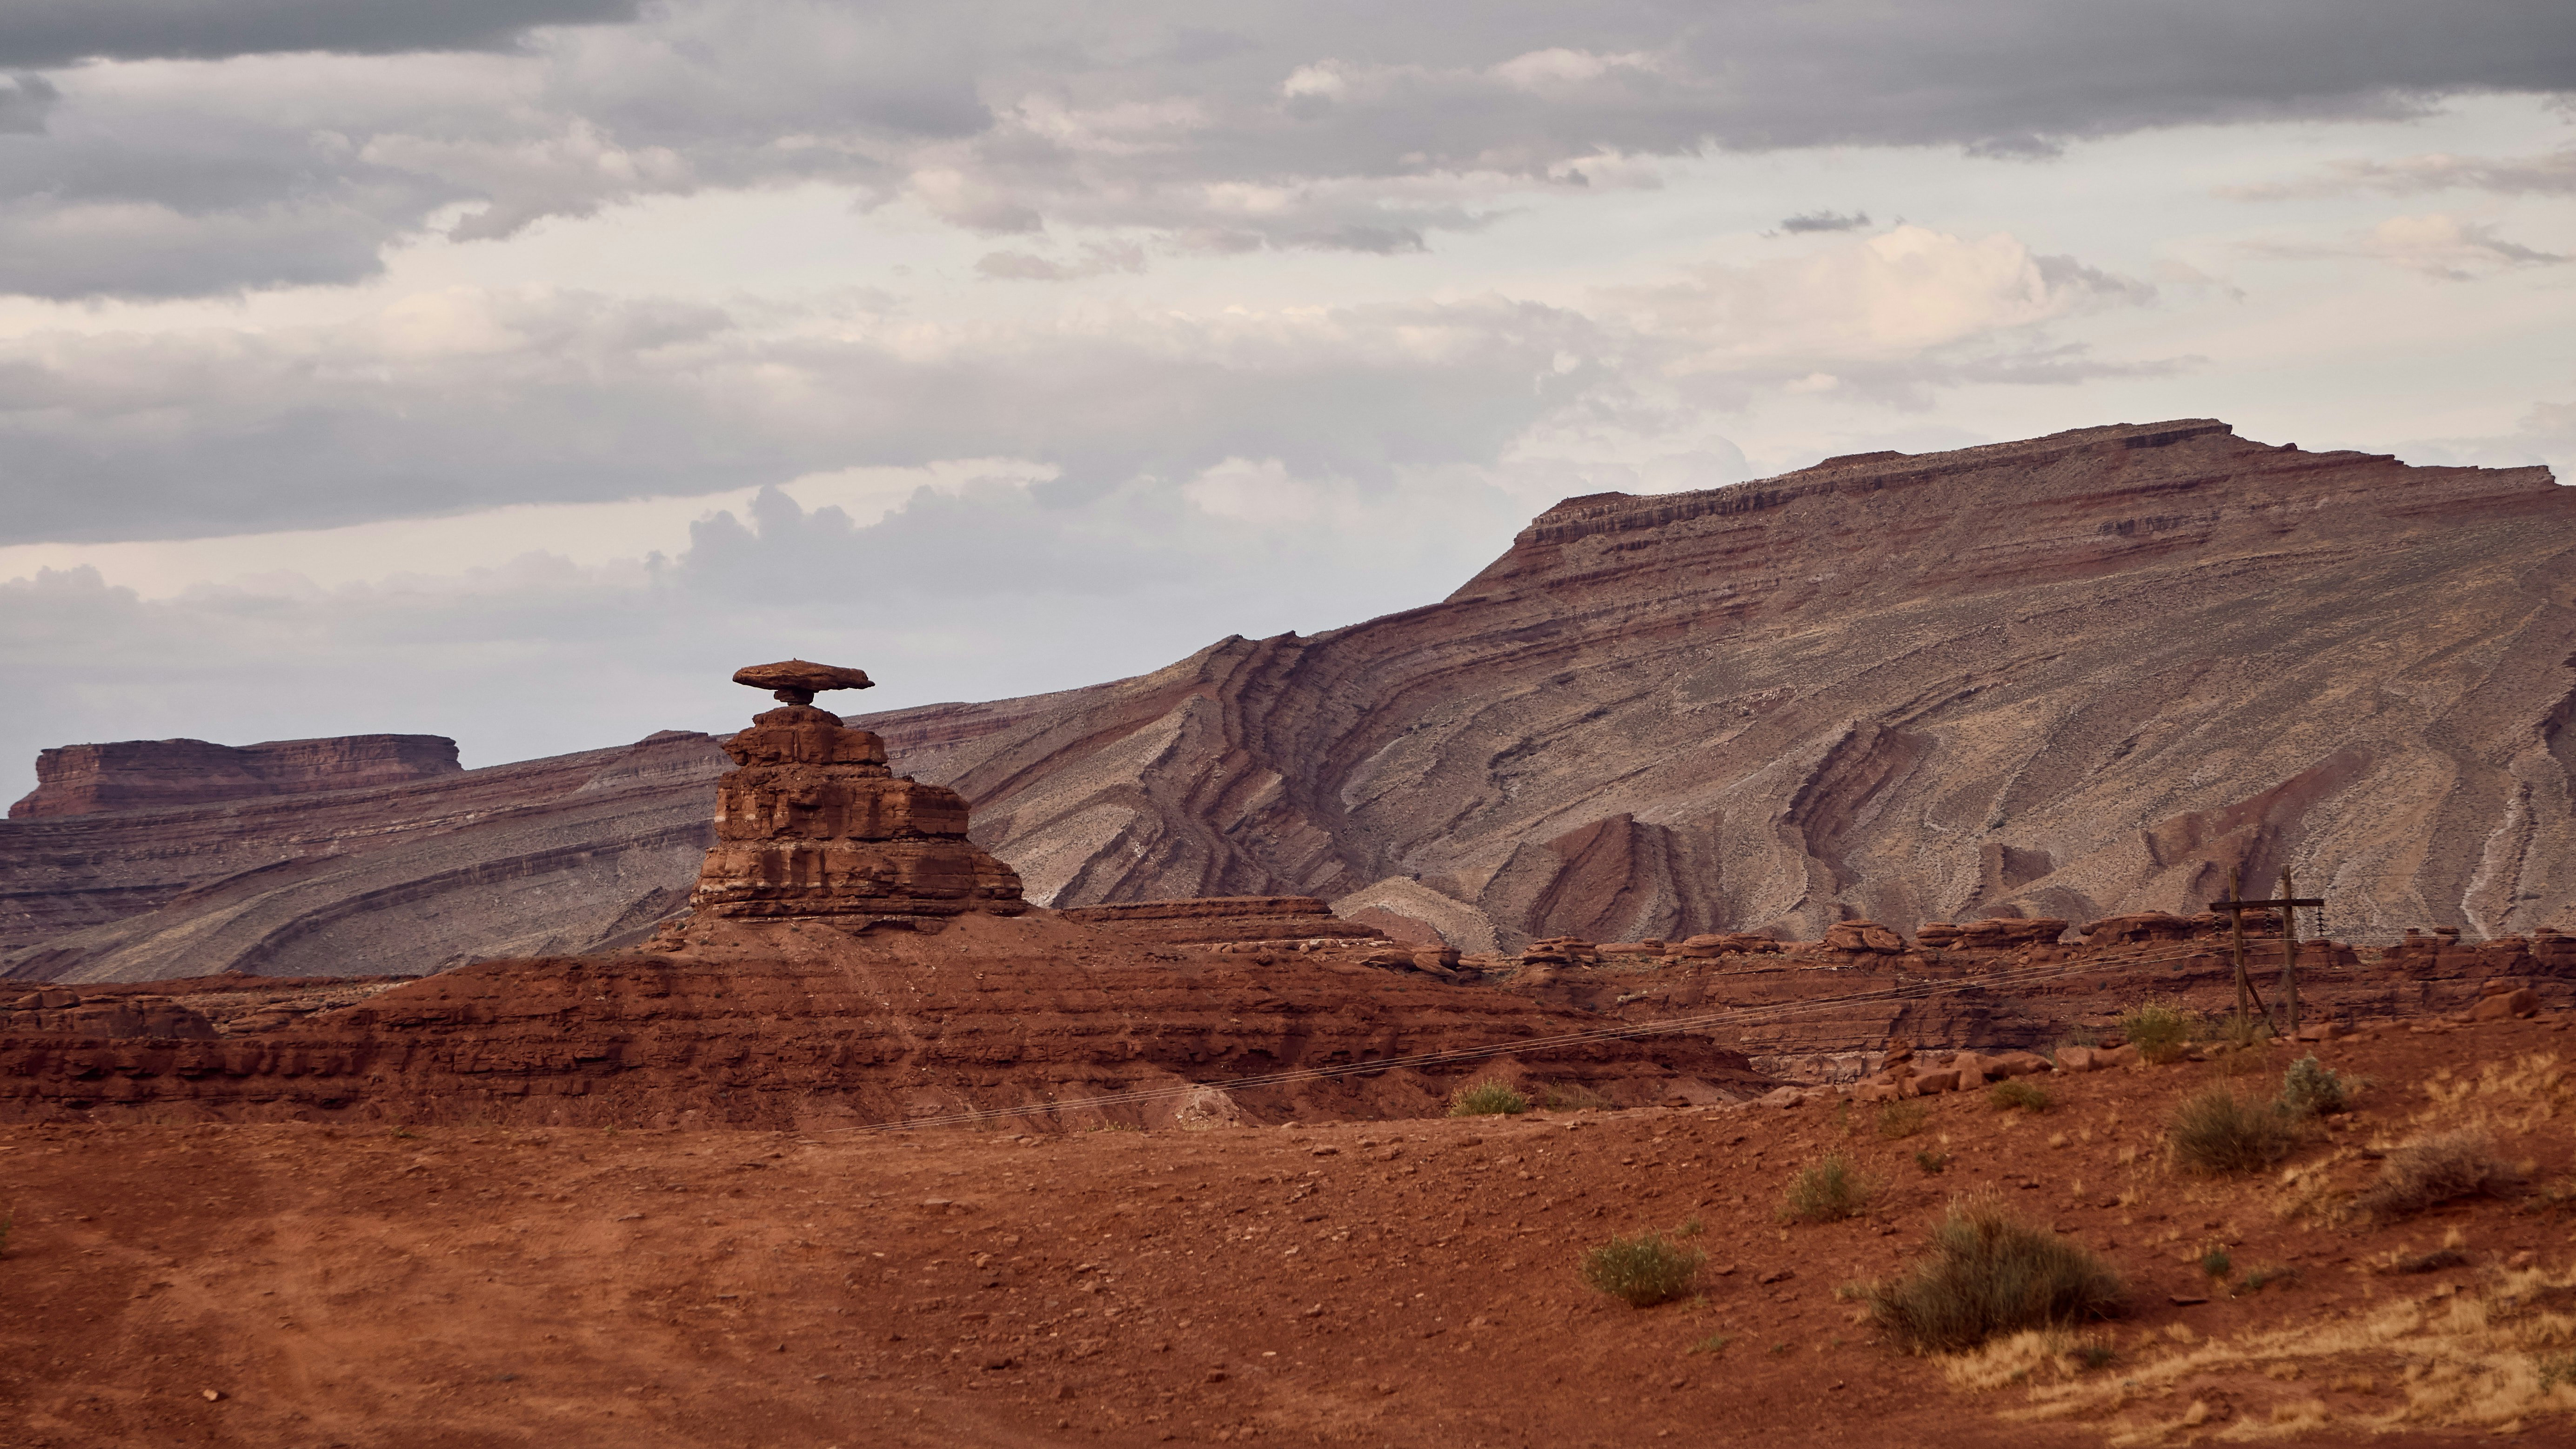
161 774
797 681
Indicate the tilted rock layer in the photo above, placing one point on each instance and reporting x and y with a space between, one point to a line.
575 853
2083 675
2076 677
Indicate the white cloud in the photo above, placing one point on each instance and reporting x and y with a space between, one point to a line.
2435 244
2548 174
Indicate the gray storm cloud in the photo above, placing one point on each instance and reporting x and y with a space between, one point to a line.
61 32
1343 126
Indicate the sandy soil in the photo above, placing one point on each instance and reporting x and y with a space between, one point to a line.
1396 1283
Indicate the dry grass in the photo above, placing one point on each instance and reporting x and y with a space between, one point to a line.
1643 1271
1487 1099
1828 1192
2217 1133
1987 1273
2308 1089
2160 1030
1570 1097
2436 1170
2496 1360
1898 1120
2015 1093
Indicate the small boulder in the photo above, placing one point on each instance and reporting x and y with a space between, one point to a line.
2018 1064
1782 1097
2118 1056
1940 1079
2075 1059
2505 1007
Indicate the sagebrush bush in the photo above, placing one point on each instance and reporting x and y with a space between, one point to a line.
1487 1099
2221 1134
2308 1089
1643 1271
2436 1170
1987 1273
1901 1119
2014 1092
2158 1029
1828 1192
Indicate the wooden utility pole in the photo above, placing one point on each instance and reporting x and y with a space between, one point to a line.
2236 907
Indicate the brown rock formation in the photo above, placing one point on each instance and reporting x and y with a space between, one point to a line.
1230 920
158 774
576 853
777 1024
2077 677
2085 675
814 825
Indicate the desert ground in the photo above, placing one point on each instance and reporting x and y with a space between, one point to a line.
1399 1282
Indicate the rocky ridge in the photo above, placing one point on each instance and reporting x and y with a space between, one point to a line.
158 774
2069 678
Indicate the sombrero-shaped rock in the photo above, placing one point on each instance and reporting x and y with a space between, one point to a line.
798 680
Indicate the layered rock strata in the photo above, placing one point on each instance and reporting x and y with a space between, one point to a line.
799 1024
576 853
2077 677
1230 920
2080 676
159 774
812 824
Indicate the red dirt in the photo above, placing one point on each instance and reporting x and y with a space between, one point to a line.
1368 1283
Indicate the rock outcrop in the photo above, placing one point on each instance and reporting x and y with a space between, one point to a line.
813 825
2082 676
158 774
2075 678
576 853
799 1024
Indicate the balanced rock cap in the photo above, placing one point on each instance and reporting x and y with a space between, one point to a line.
797 681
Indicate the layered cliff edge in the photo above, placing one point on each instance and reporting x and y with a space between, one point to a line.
2078 675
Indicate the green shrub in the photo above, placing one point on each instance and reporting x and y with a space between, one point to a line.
1489 1098
2436 1170
2013 1092
2308 1089
1714 1343
2216 1263
1643 1271
2219 1133
1901 1119
1828 1192
1986 1273
1932 1162
2158 1029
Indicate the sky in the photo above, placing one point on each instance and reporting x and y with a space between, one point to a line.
514 370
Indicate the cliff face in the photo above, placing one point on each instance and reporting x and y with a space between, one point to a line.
564 854
2074 676
152 774
2084 674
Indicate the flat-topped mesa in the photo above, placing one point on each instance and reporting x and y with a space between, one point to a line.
812 825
